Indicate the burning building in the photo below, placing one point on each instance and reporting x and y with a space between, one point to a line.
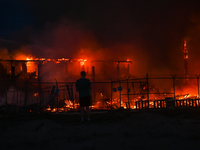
36 75
50 83
66 69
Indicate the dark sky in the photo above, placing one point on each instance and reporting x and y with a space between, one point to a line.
109 20
156 27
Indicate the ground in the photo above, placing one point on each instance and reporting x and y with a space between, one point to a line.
173 128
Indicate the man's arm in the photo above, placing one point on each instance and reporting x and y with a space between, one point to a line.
76 88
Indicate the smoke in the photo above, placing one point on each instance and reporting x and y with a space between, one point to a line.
72 40
150 34
62 39
193 38
4 54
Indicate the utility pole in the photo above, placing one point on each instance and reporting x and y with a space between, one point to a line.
185 52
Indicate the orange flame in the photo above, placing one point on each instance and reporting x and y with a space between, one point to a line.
36 94
82 61
30 65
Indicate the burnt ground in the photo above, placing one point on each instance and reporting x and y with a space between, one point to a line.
172 128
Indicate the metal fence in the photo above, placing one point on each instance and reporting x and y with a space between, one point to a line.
129 93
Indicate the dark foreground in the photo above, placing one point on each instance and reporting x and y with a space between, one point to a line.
120 129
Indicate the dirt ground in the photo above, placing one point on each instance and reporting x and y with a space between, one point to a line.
119 129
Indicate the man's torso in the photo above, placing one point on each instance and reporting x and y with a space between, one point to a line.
83 87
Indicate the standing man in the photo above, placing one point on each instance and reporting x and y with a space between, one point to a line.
83 86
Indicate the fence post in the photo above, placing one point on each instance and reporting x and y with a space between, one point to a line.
111 85
147 80
72 94
25 95
119 93
128 92
39 91
6 102
198 84
174 84
57 93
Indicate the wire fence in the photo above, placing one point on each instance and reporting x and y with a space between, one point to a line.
19 95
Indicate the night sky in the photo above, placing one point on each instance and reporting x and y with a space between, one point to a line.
149 32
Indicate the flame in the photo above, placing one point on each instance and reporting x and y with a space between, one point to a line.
30 65
36 94
185 93
42 59
49 108
82 61
63 59
69 105
29 58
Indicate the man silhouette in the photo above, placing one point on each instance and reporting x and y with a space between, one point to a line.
83 86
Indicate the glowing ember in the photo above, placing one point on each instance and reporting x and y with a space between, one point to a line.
42 59
63 59
49 108
36 94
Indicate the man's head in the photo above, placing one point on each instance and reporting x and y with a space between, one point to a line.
83 73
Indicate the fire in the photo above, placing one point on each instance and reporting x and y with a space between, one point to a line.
36 94
49 108
32 62
29 58
42 59
30 65
82 61
63 59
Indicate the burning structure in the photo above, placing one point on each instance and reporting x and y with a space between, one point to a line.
65 69
36 75
49 83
